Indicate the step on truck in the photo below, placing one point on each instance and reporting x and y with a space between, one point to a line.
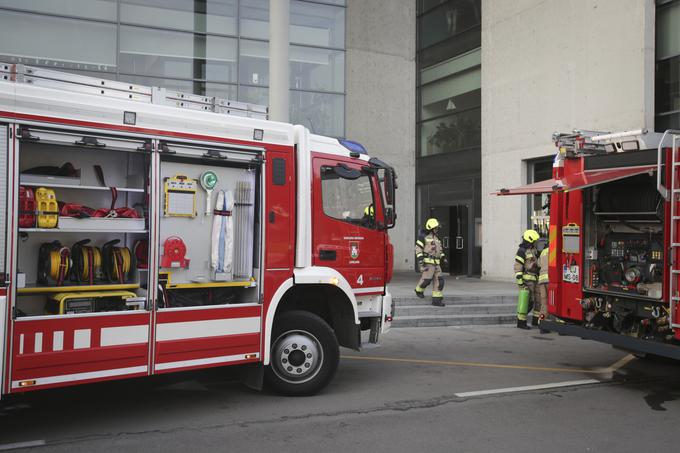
614 238
145 231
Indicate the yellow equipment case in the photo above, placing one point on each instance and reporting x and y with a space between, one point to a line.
88 302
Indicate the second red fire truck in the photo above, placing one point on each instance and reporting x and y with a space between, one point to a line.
144 231
614 236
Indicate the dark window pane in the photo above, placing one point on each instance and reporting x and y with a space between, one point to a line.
321 113
668 85
450 19
317 25
177 54
57 42
212 16
667 30
87 9
664 122
347 199
317 69
451 133
254 63
463 42
254 20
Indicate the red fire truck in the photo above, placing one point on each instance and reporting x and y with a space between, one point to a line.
144 231
614 238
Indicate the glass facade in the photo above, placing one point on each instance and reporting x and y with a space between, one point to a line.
667 106
208 47
448 163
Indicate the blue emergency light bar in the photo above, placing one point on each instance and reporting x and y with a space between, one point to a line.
354 147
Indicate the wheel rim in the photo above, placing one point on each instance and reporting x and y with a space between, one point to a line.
297 356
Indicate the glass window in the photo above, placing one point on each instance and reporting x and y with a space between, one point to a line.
459 92
211 16
668 32
254 20
442 51
347 199
254 95
317 25
668 85
87 9
321 113
450 19
317 69
452 133
58 42
254 63
177 54
186 86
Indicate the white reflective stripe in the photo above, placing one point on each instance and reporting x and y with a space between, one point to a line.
375 289
81 339
38 342
116 336
209 328
206 361
82 376
58 340
528 388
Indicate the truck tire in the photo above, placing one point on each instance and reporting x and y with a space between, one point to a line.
304 354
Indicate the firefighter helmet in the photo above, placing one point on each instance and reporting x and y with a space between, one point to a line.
431 224
531 236
369 211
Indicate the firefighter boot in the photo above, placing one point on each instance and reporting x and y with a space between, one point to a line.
437 297
534 320
522 324
420 292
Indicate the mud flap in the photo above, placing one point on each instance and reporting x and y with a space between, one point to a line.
387 312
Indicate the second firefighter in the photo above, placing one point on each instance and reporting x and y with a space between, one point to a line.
429 255
526 275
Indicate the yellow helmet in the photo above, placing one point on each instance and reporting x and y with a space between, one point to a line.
531 236
369 211
431 224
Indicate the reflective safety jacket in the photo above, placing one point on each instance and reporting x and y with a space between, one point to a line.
526 263
429 249
543 263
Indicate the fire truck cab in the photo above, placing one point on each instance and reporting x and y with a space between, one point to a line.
144 231
614 239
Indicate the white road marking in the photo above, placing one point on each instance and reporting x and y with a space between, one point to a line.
17 445
528 388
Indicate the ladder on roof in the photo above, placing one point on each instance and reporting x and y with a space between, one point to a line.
48 78
672 194
579 142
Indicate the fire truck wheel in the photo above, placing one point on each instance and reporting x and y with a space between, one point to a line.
304 354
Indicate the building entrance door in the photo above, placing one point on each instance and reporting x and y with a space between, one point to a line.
454 234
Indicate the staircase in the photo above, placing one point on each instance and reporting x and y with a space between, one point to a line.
410 311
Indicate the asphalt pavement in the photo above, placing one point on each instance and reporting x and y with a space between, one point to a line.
462 389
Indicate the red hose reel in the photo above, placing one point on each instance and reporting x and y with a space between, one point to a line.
174 253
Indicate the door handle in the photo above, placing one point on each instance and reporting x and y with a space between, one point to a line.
327 255
445 242
459 243
272 217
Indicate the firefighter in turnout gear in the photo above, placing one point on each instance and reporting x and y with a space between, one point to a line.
429 255
541 309
526 275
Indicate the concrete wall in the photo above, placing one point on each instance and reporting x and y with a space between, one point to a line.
554 65
380 102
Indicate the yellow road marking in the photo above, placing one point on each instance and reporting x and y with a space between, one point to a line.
478 364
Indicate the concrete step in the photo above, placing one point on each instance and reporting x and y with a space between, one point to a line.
456 300
469 309
453 320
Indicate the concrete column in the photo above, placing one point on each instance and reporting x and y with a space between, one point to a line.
279 72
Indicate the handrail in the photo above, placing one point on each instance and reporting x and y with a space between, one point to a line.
660 187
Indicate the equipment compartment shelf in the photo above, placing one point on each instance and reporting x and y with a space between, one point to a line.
73 186
235 284
36 289
77 230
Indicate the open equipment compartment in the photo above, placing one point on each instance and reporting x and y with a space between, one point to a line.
83 240
624 252
210 225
